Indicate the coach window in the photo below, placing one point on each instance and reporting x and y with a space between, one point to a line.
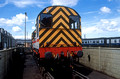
88 41
74 22
115 41
46 20
97 41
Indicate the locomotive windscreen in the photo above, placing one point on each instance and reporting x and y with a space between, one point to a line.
46 20
74 22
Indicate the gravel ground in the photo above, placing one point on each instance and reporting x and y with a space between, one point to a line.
31 71
98 75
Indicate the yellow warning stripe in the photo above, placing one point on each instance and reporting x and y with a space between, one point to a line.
52 36
39 17
56 40
61 35
69 36
49 8
79 32
61 13
66 11
41 31
55 10
80 22
73 11
45 35
61 27
39 25
60 21
68 42
79 39
60 43
80 26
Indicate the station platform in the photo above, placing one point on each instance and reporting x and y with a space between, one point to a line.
31 71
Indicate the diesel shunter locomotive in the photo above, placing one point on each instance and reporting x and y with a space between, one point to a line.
57 34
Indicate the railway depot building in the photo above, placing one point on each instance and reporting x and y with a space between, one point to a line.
22 42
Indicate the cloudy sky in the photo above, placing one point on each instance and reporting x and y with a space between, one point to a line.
100 18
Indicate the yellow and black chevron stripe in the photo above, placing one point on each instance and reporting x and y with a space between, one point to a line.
60 35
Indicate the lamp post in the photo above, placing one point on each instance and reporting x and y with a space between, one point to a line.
25 29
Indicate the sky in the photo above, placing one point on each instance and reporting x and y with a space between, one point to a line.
99 18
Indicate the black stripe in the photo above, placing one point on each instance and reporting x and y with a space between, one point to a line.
61 46
61 24
77 33
46 8
40 29
61 39
43 33
60 17
47 37
55 37
67 37
69 11
58 35
71 34
42 11
51 10
65 42
58 42
61 11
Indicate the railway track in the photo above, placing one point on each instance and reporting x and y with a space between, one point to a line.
47 75
77 75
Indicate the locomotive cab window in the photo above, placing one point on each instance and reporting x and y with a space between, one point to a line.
74 22
46 20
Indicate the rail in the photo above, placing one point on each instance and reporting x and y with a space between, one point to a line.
79 75
47 75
